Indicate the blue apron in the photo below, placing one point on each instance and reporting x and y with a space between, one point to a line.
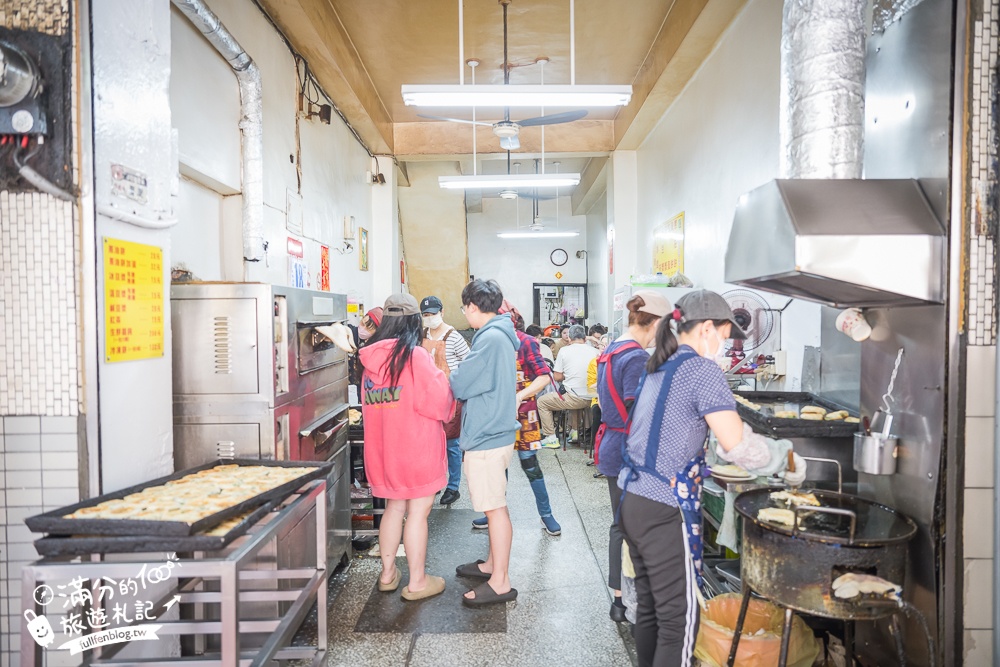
686 484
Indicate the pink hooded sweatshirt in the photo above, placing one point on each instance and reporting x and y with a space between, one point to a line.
405 451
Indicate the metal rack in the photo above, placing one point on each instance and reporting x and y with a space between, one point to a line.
218 580
368 504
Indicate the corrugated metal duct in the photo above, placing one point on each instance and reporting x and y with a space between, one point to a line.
822 112
251 121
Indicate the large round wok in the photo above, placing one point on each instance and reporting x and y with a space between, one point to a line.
795 566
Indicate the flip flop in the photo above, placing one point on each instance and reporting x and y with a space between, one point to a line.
390 587
435 586
472 570
485 596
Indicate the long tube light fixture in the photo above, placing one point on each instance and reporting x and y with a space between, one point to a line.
516 95
508 181
536 235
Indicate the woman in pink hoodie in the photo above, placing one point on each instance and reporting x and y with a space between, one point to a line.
405 400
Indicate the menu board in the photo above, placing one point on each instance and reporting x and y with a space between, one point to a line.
133 301
668 246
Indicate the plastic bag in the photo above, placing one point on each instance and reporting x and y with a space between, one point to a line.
761 640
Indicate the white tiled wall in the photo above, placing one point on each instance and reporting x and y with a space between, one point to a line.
982 332
39 471
39 357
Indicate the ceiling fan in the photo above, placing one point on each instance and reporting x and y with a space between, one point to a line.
514 193
507 130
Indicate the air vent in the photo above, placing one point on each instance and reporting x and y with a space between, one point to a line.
225 449
223 347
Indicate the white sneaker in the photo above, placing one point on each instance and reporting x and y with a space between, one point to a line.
573 435
550 441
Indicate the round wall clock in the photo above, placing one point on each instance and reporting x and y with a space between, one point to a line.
559 257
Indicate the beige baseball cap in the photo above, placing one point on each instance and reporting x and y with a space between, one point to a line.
655 303
398 305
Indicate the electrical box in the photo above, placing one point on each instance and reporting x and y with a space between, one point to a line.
35 113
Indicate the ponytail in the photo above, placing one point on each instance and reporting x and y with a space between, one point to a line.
666 344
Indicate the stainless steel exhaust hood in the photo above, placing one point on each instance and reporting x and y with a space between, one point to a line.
863 243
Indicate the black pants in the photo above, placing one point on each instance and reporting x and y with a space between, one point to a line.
615 538
667 615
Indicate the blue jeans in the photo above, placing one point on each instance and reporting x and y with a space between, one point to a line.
454 464
529 463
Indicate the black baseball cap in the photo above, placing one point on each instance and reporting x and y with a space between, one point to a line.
705 305
431 304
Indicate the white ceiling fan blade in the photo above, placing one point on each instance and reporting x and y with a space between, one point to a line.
455 120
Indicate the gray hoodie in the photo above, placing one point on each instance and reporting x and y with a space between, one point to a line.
487 381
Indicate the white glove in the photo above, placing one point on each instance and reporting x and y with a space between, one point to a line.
796 478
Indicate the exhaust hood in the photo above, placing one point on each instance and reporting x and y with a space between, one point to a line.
843 243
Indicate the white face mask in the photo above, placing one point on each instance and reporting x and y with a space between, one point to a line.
364 333
433 321
719 355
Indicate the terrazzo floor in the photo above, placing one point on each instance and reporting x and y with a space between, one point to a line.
559 618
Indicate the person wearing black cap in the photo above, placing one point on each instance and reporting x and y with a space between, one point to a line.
683 394
455 350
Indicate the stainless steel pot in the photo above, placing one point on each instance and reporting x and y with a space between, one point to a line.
875 452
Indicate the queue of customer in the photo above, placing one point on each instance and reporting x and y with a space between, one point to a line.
656 412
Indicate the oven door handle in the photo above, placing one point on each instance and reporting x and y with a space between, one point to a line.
324 435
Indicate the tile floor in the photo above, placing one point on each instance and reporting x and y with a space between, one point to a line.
560 617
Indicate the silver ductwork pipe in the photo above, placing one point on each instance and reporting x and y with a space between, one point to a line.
822 88
251 120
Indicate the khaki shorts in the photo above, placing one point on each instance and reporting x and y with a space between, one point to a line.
486 473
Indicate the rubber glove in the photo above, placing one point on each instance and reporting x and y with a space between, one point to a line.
796 478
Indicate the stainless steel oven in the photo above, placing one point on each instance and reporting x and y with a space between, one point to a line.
253 377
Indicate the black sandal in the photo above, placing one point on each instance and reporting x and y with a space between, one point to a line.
472 570
485 596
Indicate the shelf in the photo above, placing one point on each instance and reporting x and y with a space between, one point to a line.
212 591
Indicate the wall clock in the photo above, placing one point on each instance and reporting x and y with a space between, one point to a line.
559 257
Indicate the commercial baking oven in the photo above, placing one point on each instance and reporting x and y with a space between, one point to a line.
254 378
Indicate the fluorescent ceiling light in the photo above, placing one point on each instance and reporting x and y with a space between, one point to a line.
508 181
536 235
520 95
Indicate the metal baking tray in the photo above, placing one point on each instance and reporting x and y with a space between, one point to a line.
55 523
764 421
82 545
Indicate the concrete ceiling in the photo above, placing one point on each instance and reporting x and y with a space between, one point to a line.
361 52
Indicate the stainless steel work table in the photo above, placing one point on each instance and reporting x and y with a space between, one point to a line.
224 570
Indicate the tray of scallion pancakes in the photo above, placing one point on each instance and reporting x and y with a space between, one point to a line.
792 414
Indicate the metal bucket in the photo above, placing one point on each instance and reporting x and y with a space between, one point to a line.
875 451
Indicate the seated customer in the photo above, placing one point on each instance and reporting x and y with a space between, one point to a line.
535 332
571 370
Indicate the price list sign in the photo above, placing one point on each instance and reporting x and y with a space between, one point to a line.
133 301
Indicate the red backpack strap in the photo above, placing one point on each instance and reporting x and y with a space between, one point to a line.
616 398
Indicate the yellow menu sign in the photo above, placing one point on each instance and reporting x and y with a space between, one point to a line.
668 246
133 301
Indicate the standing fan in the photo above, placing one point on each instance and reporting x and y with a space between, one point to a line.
754 316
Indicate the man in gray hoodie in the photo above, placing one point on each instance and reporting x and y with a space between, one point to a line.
487 381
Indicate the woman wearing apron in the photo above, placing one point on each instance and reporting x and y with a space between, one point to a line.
619 369
682 396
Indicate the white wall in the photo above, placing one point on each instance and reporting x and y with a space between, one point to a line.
717 141
205 105
518 263
597 256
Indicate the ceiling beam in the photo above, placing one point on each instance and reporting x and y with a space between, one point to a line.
593 184
442 139
315 31
689 33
